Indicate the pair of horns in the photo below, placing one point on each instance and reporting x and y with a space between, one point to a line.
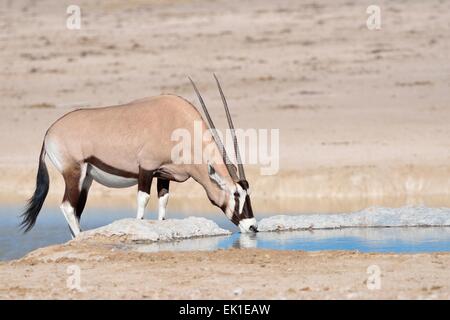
226 160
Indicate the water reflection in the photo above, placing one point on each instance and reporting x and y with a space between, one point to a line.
361 239
198 244
245 241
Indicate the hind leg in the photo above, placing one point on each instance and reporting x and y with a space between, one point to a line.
69 213
71 207
163 197
85 183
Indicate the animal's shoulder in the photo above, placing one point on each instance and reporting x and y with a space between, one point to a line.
168 101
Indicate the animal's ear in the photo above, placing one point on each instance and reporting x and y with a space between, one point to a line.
214 176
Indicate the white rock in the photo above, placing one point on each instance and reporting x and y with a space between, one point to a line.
371 217
134 230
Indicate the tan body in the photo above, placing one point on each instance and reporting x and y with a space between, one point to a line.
127 137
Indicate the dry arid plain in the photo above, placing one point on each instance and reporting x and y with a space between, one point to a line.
223 274
363 117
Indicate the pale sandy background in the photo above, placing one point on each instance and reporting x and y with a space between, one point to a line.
363 115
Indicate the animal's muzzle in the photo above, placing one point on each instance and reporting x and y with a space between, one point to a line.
248 225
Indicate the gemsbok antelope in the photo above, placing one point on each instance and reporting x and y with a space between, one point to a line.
124 145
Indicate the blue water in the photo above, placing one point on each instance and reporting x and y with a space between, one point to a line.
51 229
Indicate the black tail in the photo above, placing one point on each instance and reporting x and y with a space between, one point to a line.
37 200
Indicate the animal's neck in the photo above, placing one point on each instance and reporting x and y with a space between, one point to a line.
215 194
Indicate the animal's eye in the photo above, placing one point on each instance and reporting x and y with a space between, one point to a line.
236 194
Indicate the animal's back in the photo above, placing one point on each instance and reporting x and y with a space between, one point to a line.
121 134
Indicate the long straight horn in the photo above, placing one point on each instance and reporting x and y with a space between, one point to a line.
230 168
233 133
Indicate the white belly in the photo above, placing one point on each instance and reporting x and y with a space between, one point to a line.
110 180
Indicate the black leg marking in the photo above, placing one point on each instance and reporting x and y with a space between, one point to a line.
72 180
72 177
145 180
83 196
163 187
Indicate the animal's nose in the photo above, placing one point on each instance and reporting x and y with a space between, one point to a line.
254 229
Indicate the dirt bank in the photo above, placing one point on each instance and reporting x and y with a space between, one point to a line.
230 274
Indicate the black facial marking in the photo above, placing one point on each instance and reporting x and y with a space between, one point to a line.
236 204
244 184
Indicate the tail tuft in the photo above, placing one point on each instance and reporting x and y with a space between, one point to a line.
35 203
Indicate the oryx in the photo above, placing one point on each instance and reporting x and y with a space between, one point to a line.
124 145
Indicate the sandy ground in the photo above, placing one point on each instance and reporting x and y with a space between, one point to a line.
363 118
230 274
363 115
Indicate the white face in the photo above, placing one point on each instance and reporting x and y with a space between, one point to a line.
235 195
239 195
246 224
235 202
